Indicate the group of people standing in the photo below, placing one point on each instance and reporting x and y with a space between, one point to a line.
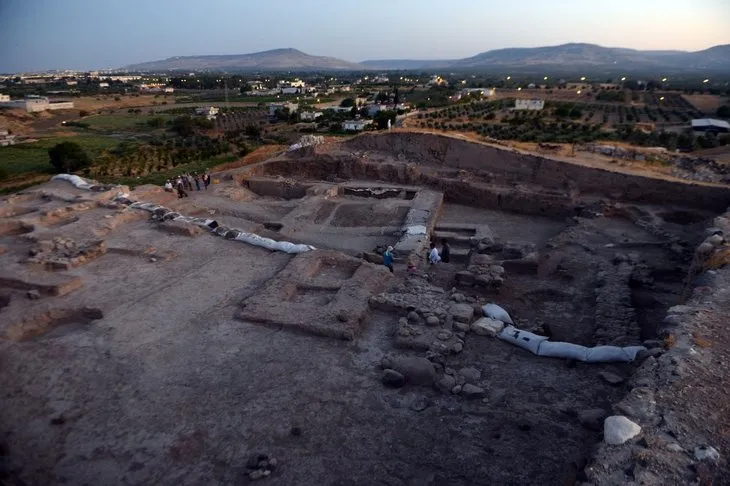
434 256
185 182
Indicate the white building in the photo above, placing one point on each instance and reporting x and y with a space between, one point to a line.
533 104
355 125
309 115
297 83
209 112
33 104
103 85
710 125
71 82
4 97
290 91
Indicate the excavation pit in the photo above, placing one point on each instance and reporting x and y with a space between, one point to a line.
202 336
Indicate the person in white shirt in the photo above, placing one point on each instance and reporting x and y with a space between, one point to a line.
168 186
433 256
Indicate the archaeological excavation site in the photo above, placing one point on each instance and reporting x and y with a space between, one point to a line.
251 333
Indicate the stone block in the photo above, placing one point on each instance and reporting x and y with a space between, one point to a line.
487 327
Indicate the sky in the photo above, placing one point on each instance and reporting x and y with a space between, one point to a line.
102 34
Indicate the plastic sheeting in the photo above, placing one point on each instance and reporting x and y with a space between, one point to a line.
524 339
540 346
166 214
211 225
75 180
493 311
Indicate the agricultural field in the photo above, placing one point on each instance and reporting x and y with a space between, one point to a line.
649 119
33 157
124 122
705 103
238 118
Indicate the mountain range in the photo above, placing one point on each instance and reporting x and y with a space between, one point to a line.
555 58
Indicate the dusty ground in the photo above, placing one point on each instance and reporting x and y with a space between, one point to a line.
158 362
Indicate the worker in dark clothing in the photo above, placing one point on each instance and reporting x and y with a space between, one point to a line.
445 251
181 189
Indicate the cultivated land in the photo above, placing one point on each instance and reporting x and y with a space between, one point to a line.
145 350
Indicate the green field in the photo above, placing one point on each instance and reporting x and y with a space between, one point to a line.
33 156
122 121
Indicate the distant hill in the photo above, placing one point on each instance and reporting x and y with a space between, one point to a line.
274 60
566 57
571 56
594 56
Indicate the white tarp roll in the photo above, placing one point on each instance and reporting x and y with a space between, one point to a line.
493 311
75 180
250 238
540 346
525 340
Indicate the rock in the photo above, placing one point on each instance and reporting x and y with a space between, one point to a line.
617 429
487 327
457 348
432 321
705 248
648 353
413 316
402 321
458 297
415 370
420 404
640 405
462 312
470 374
674 447
256 474
153 259
33 294
592 419
680 309
611 378
472 391
716 240
444 335
706 453
273 463
393 379
461 327
385 362
456 390
446 383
